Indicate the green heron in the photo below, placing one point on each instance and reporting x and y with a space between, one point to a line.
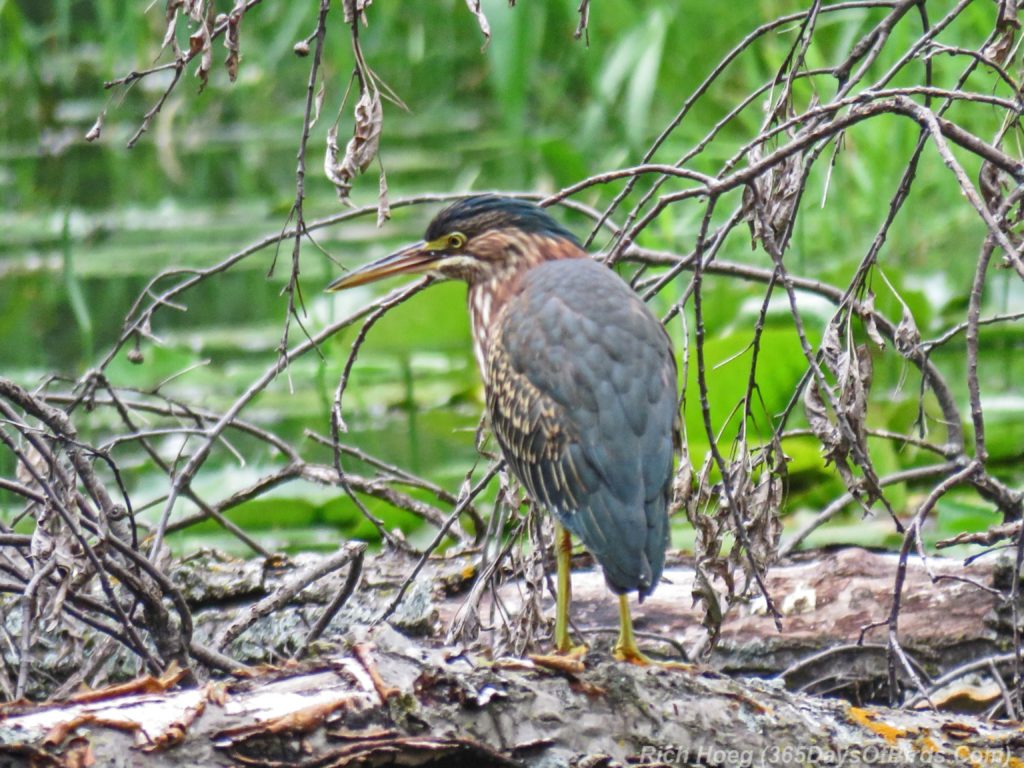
580 380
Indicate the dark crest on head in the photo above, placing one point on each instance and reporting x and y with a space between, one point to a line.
474 215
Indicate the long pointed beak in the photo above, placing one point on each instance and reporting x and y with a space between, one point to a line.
411 259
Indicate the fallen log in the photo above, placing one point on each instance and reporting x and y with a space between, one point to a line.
396 694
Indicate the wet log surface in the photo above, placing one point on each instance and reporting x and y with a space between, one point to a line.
396 694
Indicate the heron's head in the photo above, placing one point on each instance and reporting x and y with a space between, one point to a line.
478 239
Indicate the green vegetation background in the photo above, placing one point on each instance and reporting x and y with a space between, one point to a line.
84 226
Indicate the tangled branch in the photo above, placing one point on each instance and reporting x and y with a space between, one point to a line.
92 561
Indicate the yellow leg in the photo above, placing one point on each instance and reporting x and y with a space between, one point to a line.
626 648
563 589
566 658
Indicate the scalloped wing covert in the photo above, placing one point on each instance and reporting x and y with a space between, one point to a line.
582 398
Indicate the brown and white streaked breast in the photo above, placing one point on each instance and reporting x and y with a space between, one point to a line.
482 313
508 255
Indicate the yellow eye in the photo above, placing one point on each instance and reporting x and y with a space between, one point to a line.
456 240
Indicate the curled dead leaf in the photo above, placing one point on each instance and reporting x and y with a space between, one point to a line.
200 40
231 39
959 731
353 9
1000 48
770 200
907 336
817 417
56 735
97 127
383 206
481 19
147 684
362 147
171 16
870 324
832 349
318 104
991 186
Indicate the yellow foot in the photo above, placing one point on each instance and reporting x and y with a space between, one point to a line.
572 651
634 655
626 648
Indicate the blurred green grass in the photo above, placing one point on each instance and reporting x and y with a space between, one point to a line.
85 226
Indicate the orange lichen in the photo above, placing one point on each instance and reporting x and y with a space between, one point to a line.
926 745
866 719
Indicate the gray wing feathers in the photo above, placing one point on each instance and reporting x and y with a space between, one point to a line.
582 394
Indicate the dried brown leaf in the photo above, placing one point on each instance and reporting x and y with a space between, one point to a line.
58 733
907 336
361 149
369 114
172 22
481 19
200 40
97 127
318 104
147 684
232 39
1007 25
196 9
991 187
770 200
853 372
713 600
195 42
817 417
832 349
332 164
870 324
683 490
956 730
765 528
353 9
383 205
583 27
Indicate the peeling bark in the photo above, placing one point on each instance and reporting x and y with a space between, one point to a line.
461 709
396 697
